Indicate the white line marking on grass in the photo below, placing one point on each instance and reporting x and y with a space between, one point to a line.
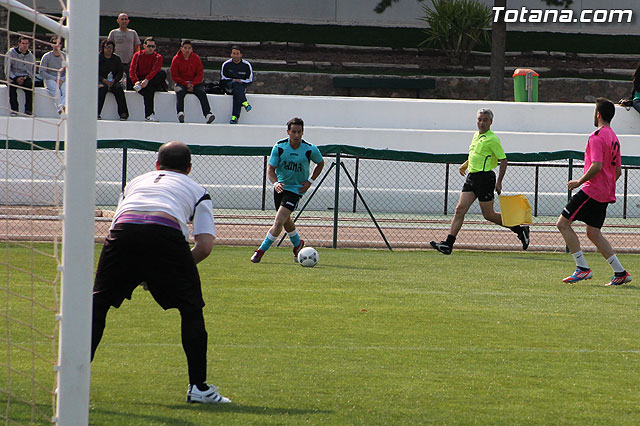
611 293
395 348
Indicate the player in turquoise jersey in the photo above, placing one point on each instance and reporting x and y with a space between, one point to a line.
485 153
288 170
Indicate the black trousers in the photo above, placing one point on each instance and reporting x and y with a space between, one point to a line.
198 90
160 256
27 84
157 83
118 92
239 91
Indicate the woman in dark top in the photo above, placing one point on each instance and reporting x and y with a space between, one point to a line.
109 76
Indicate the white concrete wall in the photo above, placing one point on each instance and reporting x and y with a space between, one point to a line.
425 126
431 126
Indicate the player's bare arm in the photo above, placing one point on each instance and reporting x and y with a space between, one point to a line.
202 247
271 174
594 169
501 172
316 173
463 168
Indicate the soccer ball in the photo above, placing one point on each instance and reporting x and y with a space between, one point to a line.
308 257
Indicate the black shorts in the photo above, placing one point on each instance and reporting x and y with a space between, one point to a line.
483 184
585 209
156 254
287 199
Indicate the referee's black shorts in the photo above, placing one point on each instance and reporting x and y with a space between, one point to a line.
482 184
156 254
585 209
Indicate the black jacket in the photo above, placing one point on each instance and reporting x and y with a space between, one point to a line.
107 65
242 70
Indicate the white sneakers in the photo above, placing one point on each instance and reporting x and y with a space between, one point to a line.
209 117
209 396
152 118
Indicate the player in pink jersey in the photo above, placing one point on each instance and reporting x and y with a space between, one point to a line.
602 168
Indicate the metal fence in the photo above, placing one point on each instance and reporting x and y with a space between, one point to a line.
400 200
366 202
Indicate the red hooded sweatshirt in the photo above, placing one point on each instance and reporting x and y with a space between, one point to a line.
184 70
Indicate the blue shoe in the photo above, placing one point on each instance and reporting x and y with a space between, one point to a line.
234 120
619 280
578 275
247 106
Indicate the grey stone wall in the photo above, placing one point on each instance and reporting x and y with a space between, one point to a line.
471 88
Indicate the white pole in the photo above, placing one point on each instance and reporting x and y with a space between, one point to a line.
74 369
40 19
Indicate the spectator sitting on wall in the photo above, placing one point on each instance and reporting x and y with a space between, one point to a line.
146 71
235 76
19 67
187 73
53 74
109 75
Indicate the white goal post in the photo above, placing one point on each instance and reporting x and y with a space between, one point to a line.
73 367
79 213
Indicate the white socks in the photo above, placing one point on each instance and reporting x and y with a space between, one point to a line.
615 264
581 262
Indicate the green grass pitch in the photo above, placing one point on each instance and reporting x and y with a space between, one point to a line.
378 337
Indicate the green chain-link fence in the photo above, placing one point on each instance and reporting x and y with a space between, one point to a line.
363 198
395 200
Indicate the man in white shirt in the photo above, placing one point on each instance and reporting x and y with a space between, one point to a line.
148 243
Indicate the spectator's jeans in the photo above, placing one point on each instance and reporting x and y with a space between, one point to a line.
27 84
239 90
155 84
56 92
118 92
198 90
636 104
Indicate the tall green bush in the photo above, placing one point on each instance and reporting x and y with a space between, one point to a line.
456 26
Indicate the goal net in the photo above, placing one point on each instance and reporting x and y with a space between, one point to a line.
47 208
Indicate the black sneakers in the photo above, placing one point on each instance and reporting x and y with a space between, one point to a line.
442 247
523 236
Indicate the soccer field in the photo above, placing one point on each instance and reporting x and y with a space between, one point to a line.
378 337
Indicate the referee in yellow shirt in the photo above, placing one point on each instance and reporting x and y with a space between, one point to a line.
485 153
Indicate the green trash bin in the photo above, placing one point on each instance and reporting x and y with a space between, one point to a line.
525 85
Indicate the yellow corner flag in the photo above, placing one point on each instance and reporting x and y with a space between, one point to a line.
515 210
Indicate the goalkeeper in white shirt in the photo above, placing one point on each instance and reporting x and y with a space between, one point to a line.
149 243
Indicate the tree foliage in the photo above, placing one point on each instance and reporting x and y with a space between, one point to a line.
456 26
